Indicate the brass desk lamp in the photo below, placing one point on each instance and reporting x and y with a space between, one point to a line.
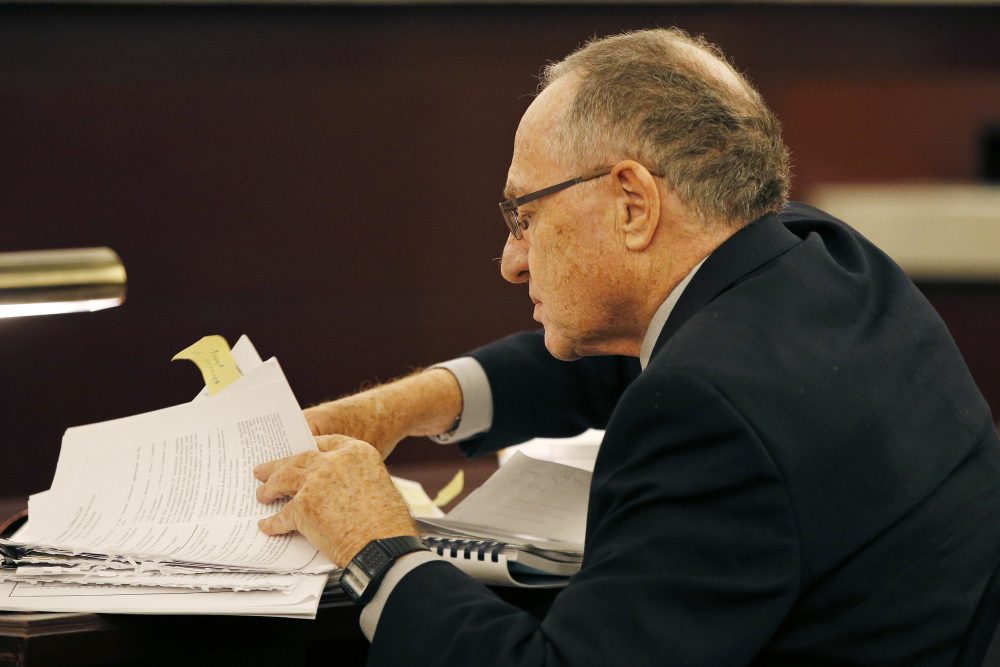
47 282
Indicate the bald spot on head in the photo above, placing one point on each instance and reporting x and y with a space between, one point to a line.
711 66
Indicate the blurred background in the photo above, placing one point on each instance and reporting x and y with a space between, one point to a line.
324 178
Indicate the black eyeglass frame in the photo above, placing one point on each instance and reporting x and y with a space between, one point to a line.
508 207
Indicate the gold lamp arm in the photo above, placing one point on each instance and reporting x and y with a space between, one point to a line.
45 282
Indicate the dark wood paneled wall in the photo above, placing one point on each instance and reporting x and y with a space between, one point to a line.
324 179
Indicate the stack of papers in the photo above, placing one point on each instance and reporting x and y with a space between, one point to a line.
524 527
156 513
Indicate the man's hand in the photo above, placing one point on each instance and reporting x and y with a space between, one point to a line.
341 498
425 403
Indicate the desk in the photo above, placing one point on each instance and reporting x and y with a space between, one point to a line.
78 640
334 638
87 640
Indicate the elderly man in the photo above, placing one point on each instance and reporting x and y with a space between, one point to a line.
798 470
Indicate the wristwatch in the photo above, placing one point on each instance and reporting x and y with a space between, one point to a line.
361 577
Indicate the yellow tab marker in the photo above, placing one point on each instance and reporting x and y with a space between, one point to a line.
214 359
451 489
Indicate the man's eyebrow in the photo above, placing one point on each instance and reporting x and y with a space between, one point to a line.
510 191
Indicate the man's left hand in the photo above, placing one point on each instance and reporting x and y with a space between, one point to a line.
341 498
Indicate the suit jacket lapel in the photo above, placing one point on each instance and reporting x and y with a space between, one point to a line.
744 252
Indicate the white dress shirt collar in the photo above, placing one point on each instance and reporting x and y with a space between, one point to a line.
661 315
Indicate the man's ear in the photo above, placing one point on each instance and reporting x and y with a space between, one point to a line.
640 203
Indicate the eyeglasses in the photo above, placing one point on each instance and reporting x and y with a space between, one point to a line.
508 207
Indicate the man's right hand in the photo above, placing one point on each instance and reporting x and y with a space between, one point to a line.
422 404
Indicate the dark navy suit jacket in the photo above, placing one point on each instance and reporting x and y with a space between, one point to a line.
805 474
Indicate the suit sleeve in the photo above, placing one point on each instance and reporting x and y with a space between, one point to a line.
691 558
537 395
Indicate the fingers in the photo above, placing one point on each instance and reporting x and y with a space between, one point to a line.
282 483
280 523
313 417
264 471
330 443
339 500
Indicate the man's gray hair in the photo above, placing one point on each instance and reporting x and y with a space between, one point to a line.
674 103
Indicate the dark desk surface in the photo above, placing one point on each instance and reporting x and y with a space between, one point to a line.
334 638
78 640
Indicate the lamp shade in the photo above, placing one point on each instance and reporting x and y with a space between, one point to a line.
45 282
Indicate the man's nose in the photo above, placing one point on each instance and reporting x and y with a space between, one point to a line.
514 263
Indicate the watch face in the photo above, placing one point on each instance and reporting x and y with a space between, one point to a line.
361 576
372 558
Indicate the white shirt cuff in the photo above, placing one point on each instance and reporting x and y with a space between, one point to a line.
403 565
477 400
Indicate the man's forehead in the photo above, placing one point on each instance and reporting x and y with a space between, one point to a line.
511 190
538 122
518 181
530 170
527 172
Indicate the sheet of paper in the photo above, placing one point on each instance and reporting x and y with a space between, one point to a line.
416 498
176 484
214 359
580 451
299 602
530 497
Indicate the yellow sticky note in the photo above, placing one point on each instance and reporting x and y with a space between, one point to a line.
451 489
214 359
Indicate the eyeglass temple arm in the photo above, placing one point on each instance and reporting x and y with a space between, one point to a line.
519 201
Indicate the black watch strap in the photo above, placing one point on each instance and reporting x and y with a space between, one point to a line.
361 577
